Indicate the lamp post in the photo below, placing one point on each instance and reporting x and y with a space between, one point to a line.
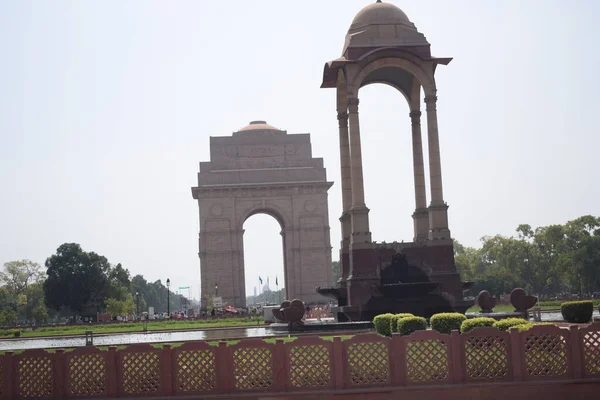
216 289
168 297
137 299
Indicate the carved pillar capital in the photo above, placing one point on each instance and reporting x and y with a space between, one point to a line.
415 117
353 104
430 102
342 119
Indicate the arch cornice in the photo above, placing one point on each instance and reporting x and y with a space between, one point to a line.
406 96
269 209
409 66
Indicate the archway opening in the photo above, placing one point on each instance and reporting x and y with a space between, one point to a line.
264 261
386 141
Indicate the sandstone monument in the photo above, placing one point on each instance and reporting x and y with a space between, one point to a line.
261 169
384 46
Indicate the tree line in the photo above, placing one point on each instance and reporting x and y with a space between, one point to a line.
74 283
549 261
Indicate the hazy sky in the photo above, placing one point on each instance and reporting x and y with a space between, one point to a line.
106 108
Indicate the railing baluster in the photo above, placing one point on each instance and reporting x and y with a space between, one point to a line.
457 352
112 372
60 374
166 377
338 364
576 356
225 377
517 357
9 379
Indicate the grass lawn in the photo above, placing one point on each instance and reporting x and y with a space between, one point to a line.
135 327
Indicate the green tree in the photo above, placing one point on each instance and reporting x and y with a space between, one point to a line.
336 272
18 275
76 279
8 307
118 308
22 281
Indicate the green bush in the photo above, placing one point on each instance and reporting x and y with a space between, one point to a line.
408 325
469 324
16 333
382 324
395 319
577 311
529 325
506 324
446 322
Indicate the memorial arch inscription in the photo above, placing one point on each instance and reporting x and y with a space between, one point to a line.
261 169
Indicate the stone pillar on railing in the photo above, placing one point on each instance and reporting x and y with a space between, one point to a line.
60 379
9 380
224 361
517 357
397 360
281 374
338 363
165 370
111 372
457 355
576 359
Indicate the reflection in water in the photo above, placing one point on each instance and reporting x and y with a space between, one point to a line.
131 338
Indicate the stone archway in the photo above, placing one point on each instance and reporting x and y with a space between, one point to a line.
261 169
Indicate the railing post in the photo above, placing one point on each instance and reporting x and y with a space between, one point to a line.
281 373
338 363
517 357
111 372
225 369
457 354
60 379
8 391
397 360
576 356
165 372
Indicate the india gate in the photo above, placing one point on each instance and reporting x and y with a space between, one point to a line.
262 169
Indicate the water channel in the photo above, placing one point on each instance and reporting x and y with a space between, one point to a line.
114 339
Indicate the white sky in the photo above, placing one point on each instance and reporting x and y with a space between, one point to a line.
106 108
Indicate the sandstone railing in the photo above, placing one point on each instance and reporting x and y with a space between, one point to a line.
485 355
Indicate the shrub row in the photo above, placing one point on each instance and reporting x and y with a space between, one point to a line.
11 332
405 324
386 324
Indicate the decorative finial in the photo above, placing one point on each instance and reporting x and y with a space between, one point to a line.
378 1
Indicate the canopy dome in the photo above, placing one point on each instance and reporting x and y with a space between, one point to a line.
379 13
381 25
258 126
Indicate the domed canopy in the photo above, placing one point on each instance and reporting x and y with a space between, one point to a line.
379 13
258 126
382 25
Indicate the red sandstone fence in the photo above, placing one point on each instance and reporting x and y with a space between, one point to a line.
484 355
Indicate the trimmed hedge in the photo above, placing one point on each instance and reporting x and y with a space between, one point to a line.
408 325
446 322
506 324
395 319
577 312
469 324
529 325
382 324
